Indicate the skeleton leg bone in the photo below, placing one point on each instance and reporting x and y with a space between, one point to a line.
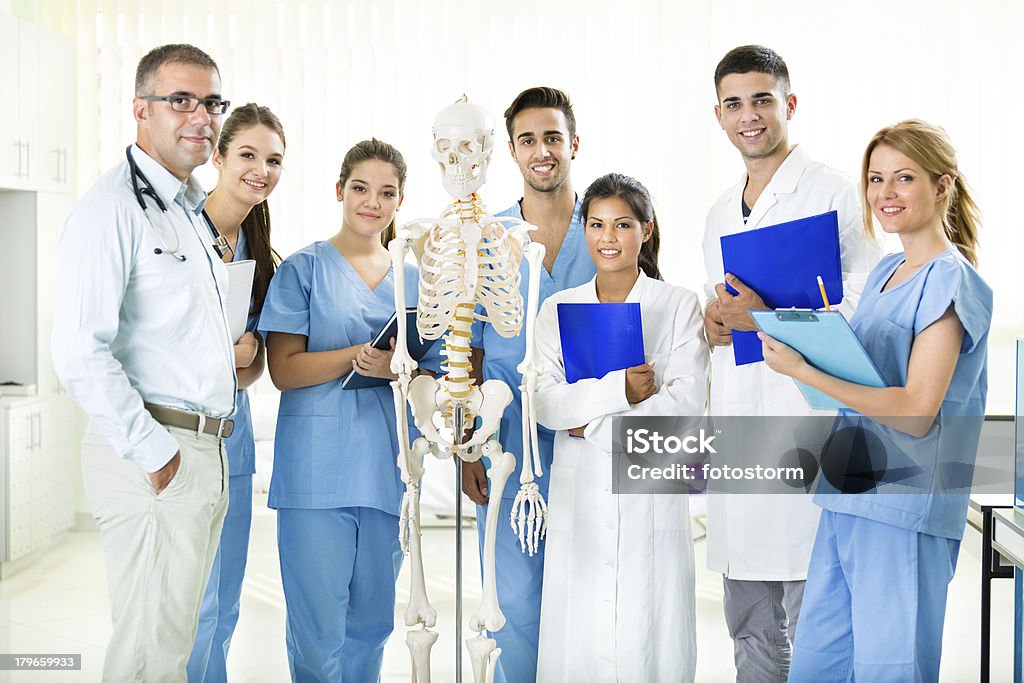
480 649
419 642
489 615
492 661
419 610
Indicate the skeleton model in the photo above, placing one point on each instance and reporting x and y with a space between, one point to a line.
469 269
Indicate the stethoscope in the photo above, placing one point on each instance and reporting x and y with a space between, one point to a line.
220 243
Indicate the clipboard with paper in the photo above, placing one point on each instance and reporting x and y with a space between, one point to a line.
781 263
239 295
827 342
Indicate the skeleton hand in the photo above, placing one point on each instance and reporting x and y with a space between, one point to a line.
529 517
371 362
407 523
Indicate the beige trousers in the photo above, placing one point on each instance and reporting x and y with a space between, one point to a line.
159 550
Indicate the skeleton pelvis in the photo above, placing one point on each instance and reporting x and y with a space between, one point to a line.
433 411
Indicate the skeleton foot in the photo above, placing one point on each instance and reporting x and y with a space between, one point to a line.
419 642
489 615
480 651
529 517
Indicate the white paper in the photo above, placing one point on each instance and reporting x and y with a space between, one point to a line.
240 274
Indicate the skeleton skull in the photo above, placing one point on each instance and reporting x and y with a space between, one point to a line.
463 137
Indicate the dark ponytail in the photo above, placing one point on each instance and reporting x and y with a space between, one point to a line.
256 228
631 191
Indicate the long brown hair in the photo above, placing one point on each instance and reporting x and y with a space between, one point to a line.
378 150
256 224
929 147
631 191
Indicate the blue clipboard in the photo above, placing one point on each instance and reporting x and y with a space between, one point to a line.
782 263
417 349
828 343
599 338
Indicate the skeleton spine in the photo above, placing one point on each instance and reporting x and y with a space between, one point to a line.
456 349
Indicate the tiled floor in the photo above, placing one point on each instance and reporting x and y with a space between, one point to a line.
59 605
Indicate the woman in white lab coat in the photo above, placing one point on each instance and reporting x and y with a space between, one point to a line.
618 600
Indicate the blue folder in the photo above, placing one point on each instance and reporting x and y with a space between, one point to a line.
782 263
599 338
827 342
417 349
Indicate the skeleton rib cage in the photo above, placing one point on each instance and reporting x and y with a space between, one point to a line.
445 280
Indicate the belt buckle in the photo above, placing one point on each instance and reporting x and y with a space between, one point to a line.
220 428
201 425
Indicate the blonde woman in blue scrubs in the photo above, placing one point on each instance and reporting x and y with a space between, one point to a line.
336 485
875 599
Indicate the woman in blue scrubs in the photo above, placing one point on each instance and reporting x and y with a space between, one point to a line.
875 599
248 156
336 485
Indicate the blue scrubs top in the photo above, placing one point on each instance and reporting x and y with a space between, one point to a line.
502 356
333 448
241 445
886 324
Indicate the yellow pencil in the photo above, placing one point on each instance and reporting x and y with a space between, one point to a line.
821 286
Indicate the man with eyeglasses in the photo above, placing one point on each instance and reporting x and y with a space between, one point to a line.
141 342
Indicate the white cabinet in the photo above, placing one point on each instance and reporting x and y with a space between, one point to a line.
29 225
38 473
36 130
54 137
11 145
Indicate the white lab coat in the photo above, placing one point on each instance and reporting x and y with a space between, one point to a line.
618 602
762 537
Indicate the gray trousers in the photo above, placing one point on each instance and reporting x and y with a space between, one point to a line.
762 616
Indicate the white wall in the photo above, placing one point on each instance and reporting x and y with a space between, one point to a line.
640 74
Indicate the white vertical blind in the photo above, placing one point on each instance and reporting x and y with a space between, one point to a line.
640 74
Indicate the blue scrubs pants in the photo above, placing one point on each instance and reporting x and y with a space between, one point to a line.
338 568
874 604
218 612
519 578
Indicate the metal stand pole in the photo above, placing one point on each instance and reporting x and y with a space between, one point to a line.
458 552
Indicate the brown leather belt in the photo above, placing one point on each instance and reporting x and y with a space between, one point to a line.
195 422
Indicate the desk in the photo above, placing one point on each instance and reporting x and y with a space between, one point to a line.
1008 534
980 513
1008 540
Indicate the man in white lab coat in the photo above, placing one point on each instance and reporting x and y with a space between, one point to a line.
762 544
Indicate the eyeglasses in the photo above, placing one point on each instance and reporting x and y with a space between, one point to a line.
188 104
